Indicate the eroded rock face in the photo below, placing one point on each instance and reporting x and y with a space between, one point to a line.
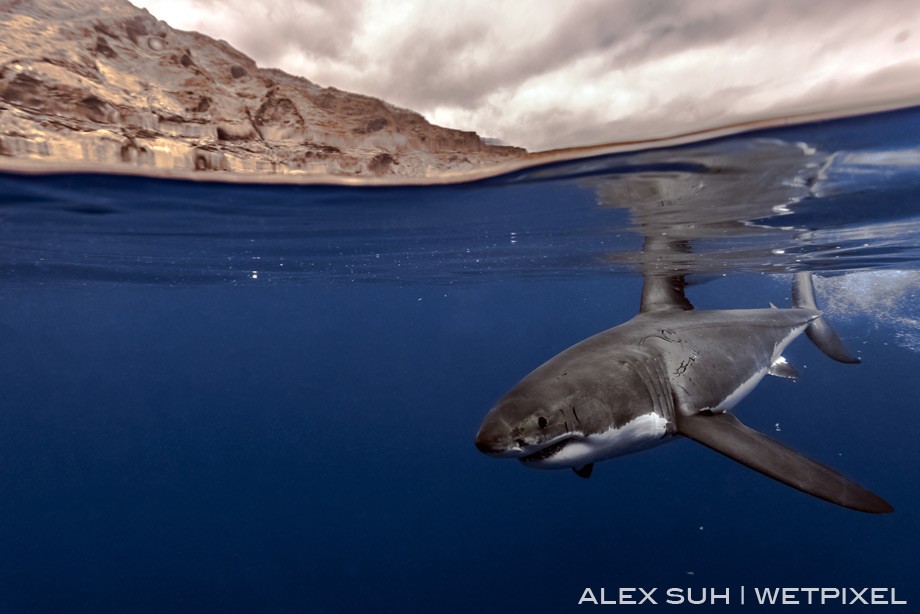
108 83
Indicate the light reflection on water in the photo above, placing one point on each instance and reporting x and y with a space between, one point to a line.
834 196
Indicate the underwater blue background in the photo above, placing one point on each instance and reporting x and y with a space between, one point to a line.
178 435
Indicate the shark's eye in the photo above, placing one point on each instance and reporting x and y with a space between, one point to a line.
542 422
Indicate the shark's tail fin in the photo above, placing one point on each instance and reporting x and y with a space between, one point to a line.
819 331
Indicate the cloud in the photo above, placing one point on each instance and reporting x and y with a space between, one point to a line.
269 31
547 74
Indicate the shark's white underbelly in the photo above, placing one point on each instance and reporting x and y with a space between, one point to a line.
640 433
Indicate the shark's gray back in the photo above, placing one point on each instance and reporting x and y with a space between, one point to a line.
710 355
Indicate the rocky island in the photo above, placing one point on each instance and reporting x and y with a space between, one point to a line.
107 85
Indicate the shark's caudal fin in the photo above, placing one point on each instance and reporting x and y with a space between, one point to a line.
727 435
819 331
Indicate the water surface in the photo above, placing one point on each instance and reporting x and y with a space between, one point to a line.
249 398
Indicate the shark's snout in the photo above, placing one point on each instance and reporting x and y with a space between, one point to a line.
494 438
524 436
487 444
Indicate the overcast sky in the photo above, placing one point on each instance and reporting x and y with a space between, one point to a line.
544 74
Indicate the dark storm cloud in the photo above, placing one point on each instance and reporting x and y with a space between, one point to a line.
424 70
432 74
269 30
551 74
624 32
428 63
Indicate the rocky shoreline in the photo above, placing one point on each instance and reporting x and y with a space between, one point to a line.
108 85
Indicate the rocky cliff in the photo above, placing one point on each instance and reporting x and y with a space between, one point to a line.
107 83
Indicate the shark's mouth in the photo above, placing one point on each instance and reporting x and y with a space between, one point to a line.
547 452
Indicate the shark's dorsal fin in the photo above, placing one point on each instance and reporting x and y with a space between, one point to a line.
663 267
726 435
663 293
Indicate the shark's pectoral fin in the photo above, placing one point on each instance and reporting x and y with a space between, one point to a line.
727 435
584 472
782 368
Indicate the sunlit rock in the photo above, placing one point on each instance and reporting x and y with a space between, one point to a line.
107 83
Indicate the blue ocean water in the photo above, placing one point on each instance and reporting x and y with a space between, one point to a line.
264 398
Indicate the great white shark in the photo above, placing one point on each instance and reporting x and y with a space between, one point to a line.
670 371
